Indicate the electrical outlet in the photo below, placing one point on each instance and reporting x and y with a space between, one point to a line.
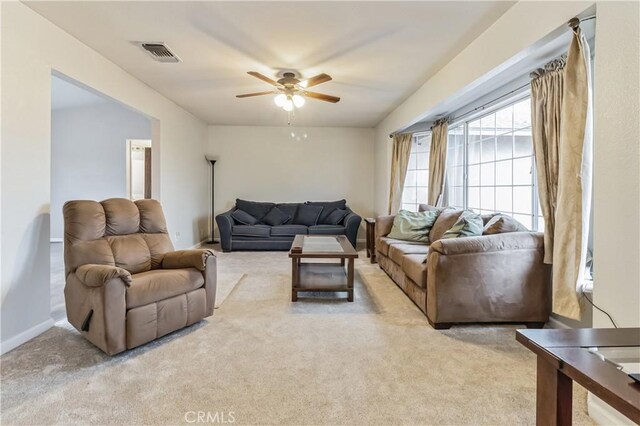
177 236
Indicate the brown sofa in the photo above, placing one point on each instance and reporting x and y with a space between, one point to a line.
125 285
489 278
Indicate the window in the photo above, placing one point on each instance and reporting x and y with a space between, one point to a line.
455 188
490 164
416 182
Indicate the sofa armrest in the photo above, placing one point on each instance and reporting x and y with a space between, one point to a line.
384 225
351 226
93 275
225 224
492 278
187 259
490 243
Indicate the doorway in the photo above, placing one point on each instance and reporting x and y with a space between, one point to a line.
90 134
139 168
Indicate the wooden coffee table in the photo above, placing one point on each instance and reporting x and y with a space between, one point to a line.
322 277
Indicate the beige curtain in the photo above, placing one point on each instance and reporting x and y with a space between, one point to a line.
437 161
547 87
399 163
574 180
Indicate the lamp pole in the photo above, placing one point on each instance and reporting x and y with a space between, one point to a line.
212 161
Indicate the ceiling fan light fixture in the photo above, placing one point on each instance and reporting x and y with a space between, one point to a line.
288 105
280 100
298 101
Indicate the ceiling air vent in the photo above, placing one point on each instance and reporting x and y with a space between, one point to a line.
160 52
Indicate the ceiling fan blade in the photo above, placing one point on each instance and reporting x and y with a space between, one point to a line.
264 78
322 97
314 81
248 95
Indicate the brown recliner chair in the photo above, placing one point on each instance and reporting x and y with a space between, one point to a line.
125 284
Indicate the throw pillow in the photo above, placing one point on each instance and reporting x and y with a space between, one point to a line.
289 209
469 224
307 215
412 226
336 216
243 217
254 208
275 217
429 208
502 223
446 219
487 217
328 208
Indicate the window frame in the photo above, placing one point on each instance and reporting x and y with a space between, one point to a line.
485 112
414 140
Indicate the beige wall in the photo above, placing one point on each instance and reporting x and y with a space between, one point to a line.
617 164
32 48
267 164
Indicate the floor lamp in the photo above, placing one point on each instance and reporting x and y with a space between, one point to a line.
212 161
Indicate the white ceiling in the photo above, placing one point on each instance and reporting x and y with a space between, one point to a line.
68 95
378 53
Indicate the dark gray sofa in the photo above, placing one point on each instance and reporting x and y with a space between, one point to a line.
260 236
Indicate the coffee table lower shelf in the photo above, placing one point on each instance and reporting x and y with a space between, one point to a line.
322 277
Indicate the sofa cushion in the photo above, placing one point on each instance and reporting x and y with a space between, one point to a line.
326 230
469 224
398 251
289 208
130 252
307 215
447 218
501 223
413 226
275 217
336 216
159 284
415 267
243 217
254 208
384 243
327 208
289 230
260 231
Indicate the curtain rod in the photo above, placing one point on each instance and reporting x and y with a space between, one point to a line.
481 107
490 103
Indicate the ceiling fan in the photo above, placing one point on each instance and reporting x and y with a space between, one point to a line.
291 91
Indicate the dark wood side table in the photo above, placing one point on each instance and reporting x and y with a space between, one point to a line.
371 238
563 357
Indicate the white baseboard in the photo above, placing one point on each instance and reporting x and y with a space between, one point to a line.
603 414
56 240
199 245
25 336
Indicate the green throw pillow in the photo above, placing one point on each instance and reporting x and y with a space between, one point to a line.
468 224
413 226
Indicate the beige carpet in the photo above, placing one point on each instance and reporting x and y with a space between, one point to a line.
226 282
268 361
